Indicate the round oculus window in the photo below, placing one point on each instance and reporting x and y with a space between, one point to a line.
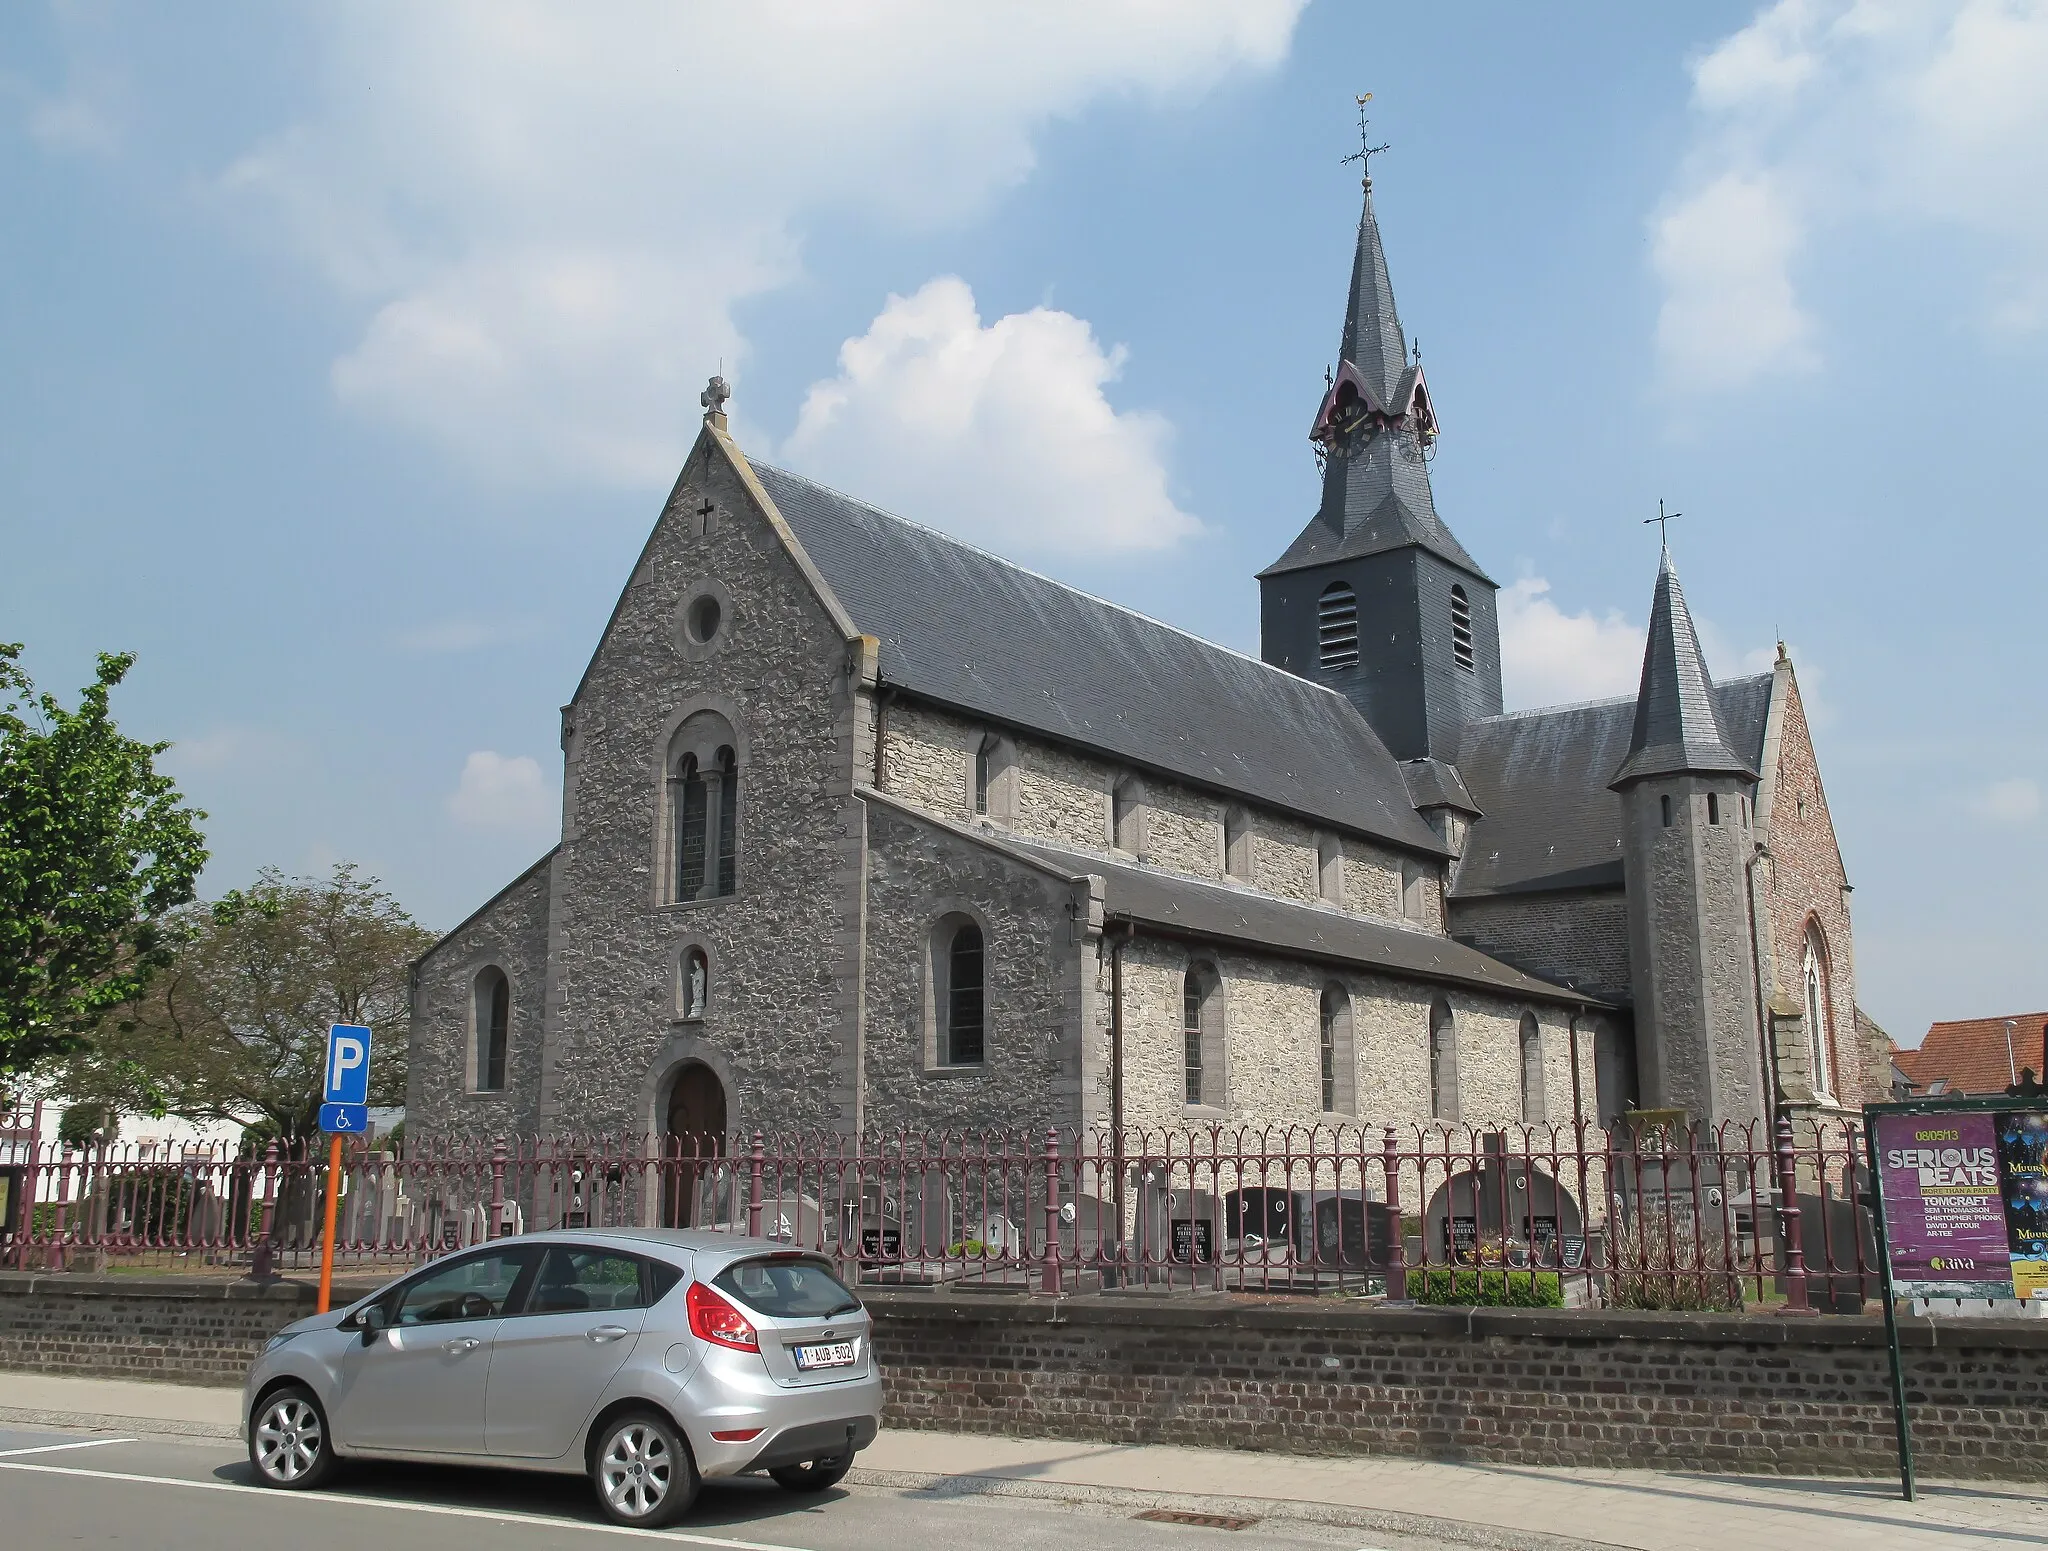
702 619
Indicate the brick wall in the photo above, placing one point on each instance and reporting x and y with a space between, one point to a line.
1503 1386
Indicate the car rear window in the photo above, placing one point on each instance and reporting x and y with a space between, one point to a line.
787 1289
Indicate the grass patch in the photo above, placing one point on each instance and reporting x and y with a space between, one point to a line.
1488 1289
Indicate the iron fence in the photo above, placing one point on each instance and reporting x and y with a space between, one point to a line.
1648 1216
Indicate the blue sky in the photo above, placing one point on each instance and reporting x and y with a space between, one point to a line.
346 355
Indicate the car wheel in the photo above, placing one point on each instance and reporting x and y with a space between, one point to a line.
643 1472
288 1442
813 1475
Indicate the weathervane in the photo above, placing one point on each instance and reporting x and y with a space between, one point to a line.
1663 517
1366 149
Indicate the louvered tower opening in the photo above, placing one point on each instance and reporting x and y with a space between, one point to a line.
1461 628
1337 626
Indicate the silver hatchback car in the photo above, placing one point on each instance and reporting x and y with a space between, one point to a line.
649 1360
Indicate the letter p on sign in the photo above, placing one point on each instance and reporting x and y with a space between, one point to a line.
348 1064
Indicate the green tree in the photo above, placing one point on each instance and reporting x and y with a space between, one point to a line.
235 1026
97 850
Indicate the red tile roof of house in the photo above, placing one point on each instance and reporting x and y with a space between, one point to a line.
1970 1054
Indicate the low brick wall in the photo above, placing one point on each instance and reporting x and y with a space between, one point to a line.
1509 1386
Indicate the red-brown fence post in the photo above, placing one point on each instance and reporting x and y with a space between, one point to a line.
55 1259
1397 1259
495 1226
263 1261
1050 1279
756 1164
1788 1220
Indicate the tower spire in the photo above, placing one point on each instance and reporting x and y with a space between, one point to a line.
1677 731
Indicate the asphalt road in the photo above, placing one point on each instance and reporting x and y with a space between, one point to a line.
176 1494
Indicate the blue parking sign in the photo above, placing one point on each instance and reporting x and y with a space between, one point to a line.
347 1078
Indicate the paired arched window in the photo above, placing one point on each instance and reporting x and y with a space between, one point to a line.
696 986
1820 1042
959 980
1535 1111
1443 1062
1337 626
491 1014
1201 1022
1339 1066
1461 627
704 802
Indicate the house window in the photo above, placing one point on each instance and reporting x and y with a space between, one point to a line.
1237 844
1330 868
1666 801
1713 808
1461 627
1820 1041
1443 1062
1534 1110
959 985
696 986
491 1001
1337 626
1202 1036
704 804
1127 816
994 779
1338 1062
983 753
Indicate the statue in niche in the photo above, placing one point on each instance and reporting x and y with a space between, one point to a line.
693 998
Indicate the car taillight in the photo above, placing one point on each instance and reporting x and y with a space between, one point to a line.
713 1319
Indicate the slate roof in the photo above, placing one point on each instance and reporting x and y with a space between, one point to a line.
1970 1054
1214 912
1676 730
1540 780
968 629
1379 498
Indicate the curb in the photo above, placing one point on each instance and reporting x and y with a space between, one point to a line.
100 1422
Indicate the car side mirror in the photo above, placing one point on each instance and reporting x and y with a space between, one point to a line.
372 1320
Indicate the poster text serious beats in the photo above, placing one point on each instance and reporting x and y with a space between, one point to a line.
1965 1203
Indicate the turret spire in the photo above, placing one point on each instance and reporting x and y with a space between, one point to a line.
1677 731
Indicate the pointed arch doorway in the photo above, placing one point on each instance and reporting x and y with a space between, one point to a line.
693 1132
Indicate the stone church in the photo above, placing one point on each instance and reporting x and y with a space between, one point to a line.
865 828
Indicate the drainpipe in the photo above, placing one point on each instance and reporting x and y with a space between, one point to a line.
882 699
1116 1076
1767 1069
1578 1101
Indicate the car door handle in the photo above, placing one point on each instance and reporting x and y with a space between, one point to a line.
460 1345
599 1334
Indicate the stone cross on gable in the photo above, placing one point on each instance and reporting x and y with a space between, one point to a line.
713 398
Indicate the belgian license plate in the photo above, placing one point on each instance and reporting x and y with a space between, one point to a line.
834 1354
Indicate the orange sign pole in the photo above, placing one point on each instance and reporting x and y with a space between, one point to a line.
327 1233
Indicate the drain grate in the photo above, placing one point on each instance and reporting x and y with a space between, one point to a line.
1198 1520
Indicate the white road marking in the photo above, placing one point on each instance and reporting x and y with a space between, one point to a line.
496 1516
55 1448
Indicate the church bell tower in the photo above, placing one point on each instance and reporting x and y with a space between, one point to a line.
1376 598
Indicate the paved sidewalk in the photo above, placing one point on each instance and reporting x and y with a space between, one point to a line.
1489 1504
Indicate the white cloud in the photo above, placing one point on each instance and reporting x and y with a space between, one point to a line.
1824 124
2016 800
1549 657
550 213
504 792
1000 433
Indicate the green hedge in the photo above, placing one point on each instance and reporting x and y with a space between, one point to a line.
1488 1289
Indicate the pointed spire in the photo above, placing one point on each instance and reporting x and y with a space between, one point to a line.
1373 342
1677 731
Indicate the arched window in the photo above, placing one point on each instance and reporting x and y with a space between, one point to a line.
1201 1022
959 981
1339 1067
1461 627
696 986
1337 626
704 805
994 780
1127 816
491 1010
984 754
1237 845
1535 1111
1443 1062
1820 1034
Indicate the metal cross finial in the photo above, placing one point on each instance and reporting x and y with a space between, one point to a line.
713 398
1663 517
1366 149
